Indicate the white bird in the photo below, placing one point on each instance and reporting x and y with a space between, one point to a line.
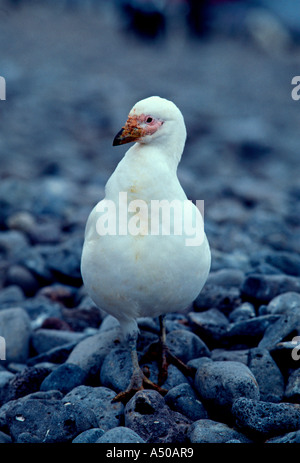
131 272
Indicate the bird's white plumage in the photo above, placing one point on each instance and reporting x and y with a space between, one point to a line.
145 275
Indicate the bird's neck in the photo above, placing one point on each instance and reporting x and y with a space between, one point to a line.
146 172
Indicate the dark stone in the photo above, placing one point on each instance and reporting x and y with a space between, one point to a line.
4 438
64 378
63 260
263 288
90 353
290 438
246 311
220 297
32 258
99 400
235 355
227 277
248 333
286 326
183 399
265 419
12 242
48 421
82 317
205 431
284 303
210 325
45 339
267 374
292 392
148 415
22 277
56 355
54 323
58 292
116 369
26 382
10 296
39 308
16 329
220 383
120 435
287 262
286 355
186 345
88 437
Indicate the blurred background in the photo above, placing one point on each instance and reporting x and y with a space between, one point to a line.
74 69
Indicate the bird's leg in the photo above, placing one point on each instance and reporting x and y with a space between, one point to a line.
164 356
138 380
167 357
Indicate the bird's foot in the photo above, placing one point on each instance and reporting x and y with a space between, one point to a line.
161 352
139 381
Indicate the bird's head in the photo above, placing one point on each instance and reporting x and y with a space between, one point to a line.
151 119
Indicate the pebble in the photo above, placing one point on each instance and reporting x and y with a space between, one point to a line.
263 288
89 354
148 415
16 329
267 374
289 438
219 383
210 325
286 262
175 377
116 369
245 311
57 421
236 355
285 326
219 297
265 419
45 339
22 277
23 383
39 308
284 303
186 345
88 437
120 435
292 391
34 260
227 277
55 355
205 431
64 378
82 317
12 242
63 260
182 398
4 438
248 333
99 400
10 296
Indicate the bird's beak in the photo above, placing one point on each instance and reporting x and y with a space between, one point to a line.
130 132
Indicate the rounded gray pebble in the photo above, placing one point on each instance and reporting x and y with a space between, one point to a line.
183 399
207 431
265 419
88 437
64 378
220 383
120 435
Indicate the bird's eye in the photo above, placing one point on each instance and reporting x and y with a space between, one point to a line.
149 120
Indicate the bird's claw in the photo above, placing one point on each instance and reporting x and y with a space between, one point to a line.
137 384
